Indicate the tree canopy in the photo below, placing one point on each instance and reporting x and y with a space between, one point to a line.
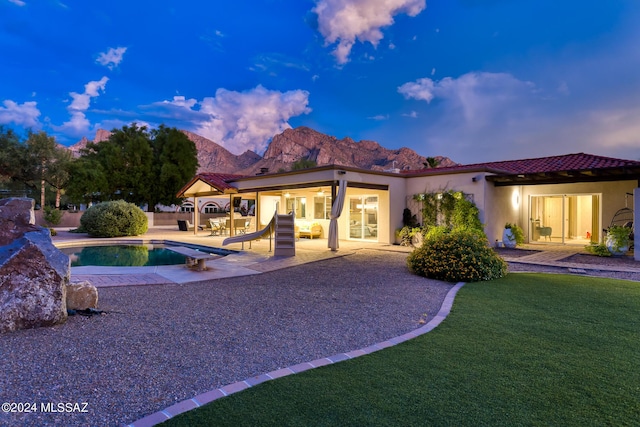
38 163
135 165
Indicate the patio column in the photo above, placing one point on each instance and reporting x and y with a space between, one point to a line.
256 212
636 218
196 215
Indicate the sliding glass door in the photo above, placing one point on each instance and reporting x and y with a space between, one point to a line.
363 217
565 218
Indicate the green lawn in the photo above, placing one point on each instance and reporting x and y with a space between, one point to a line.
528 349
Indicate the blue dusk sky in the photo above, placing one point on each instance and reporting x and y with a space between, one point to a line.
474 80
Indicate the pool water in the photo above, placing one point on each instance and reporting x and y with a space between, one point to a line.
125 255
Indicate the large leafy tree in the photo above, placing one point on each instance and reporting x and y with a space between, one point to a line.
175 161
38 163
11 163
59 172
40 153
135 165
10 148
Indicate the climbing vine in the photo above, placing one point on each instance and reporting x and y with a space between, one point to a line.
451 209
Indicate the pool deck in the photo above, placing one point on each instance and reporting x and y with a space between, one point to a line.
258 258
252 260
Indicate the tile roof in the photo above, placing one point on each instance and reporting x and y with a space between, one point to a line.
219 180
567 162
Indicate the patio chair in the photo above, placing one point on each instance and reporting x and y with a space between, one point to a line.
185 225
247 225
545 232
215 227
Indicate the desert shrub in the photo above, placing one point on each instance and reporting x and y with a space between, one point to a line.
114 219
598 249
456 255
52 216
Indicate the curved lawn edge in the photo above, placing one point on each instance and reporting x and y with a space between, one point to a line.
210 396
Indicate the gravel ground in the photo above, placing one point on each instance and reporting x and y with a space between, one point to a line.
161 344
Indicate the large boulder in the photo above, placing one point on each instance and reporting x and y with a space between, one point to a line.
33 273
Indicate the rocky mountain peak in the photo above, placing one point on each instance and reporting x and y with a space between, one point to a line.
293 145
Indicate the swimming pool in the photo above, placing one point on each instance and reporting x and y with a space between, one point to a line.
130 255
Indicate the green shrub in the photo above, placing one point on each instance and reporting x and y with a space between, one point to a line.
52 216
406 235
518 233
114 219
598 249
455 256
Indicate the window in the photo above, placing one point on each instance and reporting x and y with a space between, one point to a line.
211 208
322 207
186 207
300 205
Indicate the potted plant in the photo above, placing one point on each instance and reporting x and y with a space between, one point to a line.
512 235
618 239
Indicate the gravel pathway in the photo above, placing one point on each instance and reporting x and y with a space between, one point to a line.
161 344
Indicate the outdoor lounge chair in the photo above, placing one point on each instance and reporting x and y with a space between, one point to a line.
185 225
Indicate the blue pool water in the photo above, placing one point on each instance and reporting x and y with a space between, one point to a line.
128 255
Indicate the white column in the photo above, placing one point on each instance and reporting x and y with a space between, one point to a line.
196 215
636 220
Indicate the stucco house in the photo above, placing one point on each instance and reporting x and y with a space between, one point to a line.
572 197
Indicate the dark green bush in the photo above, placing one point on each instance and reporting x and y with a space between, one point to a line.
52 216
598 249
459 255
114 219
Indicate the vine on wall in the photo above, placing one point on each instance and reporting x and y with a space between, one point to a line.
451 209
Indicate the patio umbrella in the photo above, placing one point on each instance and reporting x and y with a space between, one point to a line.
336 211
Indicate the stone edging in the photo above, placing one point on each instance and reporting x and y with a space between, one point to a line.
210 396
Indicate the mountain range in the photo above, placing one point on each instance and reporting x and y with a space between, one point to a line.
293 145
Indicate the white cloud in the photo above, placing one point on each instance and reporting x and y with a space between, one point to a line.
181 101
25 114
345 21
421 89
412 114
379 117
247 120
91 90
18 2
112 57
614 128
478 97
78 124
